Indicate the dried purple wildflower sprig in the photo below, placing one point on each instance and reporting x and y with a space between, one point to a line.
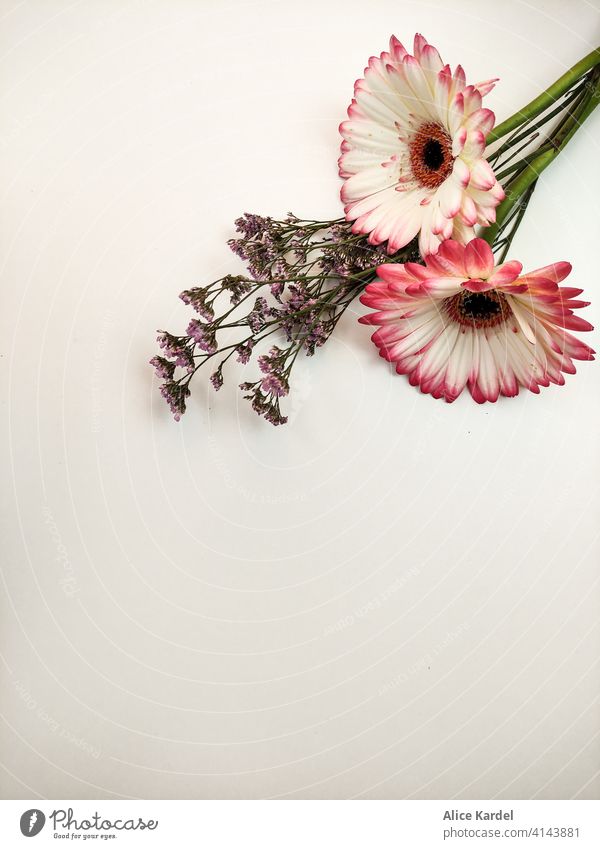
303 275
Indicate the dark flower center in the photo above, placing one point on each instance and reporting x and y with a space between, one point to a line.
478 309
431 155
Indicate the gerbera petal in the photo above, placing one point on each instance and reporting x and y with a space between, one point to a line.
431 61
429 241
475 285
486 86
366 182
450 260
449 197
468 210
482 176
461 232
397 49
506 273
486 382
406 228
556 272
509 385
482 120
461 173
400 217
474 147
459 365
523 320
471 100
479 259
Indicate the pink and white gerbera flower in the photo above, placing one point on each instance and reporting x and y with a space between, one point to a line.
413 151
460 321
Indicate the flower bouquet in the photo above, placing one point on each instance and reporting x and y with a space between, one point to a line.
433 193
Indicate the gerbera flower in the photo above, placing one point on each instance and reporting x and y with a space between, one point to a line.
412 154
460 321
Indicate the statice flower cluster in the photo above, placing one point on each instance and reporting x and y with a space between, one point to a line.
301 277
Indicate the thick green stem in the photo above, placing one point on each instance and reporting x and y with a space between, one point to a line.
506 241
546 98
517 189
574 122
522 181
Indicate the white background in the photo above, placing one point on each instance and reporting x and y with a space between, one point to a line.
388 598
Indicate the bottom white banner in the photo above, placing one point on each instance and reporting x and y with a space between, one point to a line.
294 824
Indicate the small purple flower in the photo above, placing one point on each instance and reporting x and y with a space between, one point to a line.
244 351
274 417
341 268
217 379
338 233
300 253
196 298
282 269
268 363
263 405
175 395
251 225
176 348
185 359
275 384
277 288
170 344
238 246
299 298
162 368
203 335
237 287
317 337
257 317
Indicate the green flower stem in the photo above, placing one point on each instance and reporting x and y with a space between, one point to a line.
576 119
524 179
518 214
547 98
527 131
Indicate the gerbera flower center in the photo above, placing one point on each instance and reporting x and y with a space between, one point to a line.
431 155
478 309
